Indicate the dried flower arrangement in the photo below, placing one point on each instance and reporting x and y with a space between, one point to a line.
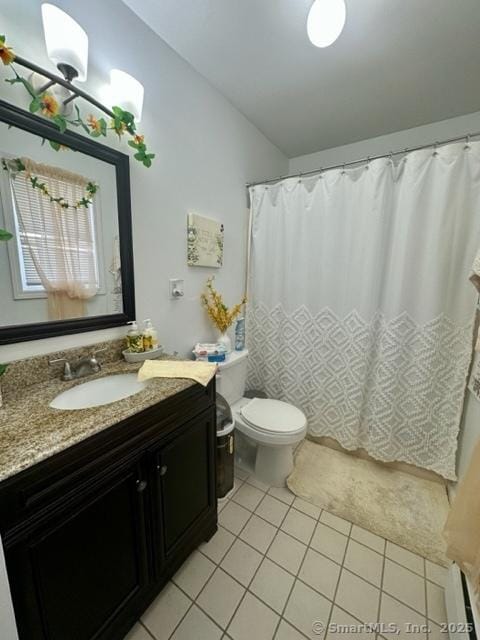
221 316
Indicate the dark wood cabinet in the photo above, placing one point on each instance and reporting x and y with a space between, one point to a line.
182 501
84 564
72 573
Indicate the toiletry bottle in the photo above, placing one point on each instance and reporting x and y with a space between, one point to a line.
134 338
240 334
150 336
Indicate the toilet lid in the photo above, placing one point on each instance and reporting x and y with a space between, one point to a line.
273 415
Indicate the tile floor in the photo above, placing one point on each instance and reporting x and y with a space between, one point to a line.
281 568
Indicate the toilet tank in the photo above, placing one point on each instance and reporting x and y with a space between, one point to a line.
232 376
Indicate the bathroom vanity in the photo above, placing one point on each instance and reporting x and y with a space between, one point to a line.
99 506
93 531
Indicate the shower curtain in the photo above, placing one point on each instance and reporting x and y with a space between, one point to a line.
360 309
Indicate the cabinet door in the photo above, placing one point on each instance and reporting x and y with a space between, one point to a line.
73 577
186 480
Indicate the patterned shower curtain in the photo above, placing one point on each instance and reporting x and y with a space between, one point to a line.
360 310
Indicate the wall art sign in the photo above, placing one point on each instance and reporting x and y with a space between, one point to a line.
204 242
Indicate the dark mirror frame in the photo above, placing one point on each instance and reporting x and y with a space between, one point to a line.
12 115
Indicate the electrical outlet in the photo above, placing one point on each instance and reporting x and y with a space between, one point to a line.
176 288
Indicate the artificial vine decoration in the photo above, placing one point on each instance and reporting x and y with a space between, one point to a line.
17 166
123 122
7 57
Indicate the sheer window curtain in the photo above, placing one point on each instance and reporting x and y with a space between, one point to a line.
360 309
60 241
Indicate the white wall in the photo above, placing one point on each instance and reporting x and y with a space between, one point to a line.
426 134
206 152
470 427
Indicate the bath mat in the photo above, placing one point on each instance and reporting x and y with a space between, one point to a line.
398 506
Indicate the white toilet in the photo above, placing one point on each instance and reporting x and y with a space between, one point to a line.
272 426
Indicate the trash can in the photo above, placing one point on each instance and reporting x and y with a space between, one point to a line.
225 447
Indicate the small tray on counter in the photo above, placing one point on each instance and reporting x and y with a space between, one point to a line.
130 356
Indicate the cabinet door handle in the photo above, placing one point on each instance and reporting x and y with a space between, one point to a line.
141 485
162 469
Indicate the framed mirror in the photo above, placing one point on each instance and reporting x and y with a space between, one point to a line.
65 199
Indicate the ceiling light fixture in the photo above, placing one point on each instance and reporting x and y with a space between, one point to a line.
67 43
126 92
325 22
67 47
53 96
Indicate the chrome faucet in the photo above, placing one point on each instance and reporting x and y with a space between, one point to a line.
80 369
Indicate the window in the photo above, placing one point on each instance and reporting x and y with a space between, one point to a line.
51 246
41 239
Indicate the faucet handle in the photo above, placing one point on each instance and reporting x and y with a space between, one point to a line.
67 370
93 360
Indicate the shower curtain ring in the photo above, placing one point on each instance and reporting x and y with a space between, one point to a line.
368 163
435 152
300 178
343 169
467 142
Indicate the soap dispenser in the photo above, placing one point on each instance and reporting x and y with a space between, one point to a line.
150 336
134 338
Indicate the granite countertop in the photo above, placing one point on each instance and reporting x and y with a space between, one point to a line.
31 431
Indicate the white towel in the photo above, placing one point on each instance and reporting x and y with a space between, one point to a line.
201 372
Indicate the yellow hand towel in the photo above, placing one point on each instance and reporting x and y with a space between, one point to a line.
201 372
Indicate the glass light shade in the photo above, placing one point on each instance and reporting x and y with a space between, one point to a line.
325 22
126 92
67 42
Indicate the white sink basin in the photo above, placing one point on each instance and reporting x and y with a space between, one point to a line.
98 392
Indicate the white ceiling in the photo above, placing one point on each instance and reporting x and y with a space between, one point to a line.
398 64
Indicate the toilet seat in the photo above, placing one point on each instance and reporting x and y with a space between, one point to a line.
273 417
273 428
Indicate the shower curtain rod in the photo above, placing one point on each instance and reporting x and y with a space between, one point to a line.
439 143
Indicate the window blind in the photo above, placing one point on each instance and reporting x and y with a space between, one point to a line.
46 228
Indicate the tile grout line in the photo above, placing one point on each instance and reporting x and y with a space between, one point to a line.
247 590
217 566
182 618
349 537
295 580
342 566
236 537
426 598
195 603
384 553
380 599
405 604
278 528
318 520
146 629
